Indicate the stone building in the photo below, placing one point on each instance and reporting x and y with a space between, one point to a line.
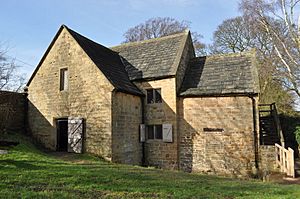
147 103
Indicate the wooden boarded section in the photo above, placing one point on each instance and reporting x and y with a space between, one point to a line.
75 134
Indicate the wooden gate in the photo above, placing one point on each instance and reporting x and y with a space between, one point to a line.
285 160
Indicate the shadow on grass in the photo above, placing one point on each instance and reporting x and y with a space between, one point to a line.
20 164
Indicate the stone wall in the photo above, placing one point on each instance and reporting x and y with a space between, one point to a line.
12 111
126 118
88 96
157 152
267 159
216 135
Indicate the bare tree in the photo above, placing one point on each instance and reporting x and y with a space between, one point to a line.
283 34
237 35
233 35
9 79
159 27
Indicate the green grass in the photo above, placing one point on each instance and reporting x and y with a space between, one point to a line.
26 172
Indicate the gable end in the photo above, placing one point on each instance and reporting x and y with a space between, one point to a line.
45 54
106 60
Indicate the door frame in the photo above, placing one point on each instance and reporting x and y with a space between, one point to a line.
58 131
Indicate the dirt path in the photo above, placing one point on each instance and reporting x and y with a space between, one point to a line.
282 179
71 157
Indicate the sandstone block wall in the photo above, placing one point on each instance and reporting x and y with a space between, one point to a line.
157 152
216 135
126 118
267 159
12 111
88 96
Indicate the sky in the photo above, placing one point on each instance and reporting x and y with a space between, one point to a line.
27 27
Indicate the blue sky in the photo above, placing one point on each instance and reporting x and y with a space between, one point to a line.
28 27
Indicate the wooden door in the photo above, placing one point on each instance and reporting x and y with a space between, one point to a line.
75 134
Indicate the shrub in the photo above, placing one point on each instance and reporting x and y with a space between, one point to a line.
297 134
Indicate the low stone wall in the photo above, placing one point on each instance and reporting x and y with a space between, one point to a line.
267 159
12 111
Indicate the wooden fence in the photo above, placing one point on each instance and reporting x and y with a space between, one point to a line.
285 160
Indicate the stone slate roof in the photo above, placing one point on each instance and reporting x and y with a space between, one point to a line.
221 75
154 58
159 58
108 62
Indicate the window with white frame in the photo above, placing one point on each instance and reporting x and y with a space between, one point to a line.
154 96
154 132
64 79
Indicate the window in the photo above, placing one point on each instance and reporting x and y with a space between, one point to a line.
220 130
154 96
63 79
154 132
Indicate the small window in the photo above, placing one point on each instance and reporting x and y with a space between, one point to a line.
220 130
158 132
154 96
64 79
157 95
154 132
150 131
150 96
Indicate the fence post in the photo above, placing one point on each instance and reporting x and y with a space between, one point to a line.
288 163
281 159
292 163
276 154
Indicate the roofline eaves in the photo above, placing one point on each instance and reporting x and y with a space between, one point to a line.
149 40
152 78
254 94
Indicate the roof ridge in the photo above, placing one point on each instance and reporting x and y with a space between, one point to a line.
69 29
250 52
185 32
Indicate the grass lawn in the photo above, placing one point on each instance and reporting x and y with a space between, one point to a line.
26 172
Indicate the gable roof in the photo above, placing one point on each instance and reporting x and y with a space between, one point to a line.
109 62
106 60
153 59
221 75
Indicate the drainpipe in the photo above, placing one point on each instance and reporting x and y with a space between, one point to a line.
25 117
255 130
143 122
